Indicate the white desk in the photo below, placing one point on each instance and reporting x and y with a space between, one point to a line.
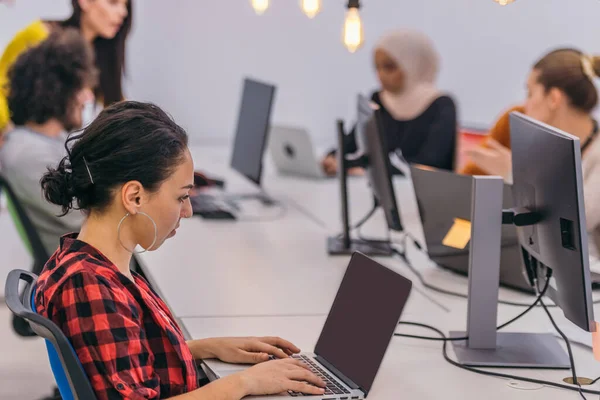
275 278
412 369
253 268
221 268
266 267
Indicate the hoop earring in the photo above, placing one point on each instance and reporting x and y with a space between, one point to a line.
119 233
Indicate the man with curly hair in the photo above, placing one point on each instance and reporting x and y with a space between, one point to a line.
48 88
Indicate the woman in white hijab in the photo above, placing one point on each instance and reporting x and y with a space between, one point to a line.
418 119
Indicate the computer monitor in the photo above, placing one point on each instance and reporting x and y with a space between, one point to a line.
379 168
547 181
548 211
252 129
344 244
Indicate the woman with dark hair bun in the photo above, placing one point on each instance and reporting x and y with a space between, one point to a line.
130 171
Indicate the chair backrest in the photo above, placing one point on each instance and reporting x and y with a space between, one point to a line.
70 376
27 231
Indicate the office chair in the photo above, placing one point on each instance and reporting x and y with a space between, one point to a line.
27 231
30 239
73 383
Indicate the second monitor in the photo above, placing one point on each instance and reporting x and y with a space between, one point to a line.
252 129
370 131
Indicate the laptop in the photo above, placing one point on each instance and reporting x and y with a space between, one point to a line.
356 334
443 196
293 152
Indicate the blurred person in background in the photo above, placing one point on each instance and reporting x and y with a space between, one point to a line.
560 93
105 24
418 119
48 87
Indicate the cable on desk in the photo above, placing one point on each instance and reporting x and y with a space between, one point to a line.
366 218
569 350
496 374
363 220
448 292
504 325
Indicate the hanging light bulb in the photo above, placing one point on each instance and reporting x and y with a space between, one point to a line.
260 6
311 7
504 2
353 27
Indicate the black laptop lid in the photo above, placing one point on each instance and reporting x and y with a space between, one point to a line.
443 196
362 320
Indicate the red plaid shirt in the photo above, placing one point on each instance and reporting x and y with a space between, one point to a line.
125 336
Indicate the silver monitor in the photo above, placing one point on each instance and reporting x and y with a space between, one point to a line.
548 181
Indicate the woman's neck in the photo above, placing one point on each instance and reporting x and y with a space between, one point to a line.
87 32
576 123
51 128
102 234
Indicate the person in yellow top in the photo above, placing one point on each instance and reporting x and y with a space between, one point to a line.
104 23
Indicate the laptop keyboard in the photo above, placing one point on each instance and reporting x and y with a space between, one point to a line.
332 388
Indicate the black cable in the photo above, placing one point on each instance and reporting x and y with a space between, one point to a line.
504 325
414 241
569 351
494 374
595 380
446 291
363 220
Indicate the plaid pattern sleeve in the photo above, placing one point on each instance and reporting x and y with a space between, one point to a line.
125 336
110 342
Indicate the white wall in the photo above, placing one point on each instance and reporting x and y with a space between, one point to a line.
190 55
15 17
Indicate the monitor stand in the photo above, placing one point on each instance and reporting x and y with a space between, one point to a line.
343 244
486 347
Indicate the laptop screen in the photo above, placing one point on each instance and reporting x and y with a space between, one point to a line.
252 129
363 319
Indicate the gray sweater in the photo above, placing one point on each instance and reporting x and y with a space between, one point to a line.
24 158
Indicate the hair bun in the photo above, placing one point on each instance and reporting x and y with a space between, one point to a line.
57 186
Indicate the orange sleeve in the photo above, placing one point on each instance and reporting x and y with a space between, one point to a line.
500 132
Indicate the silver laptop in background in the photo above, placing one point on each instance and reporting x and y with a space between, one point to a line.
293 152
355 336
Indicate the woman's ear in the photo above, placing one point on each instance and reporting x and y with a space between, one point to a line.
131 196
555 98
